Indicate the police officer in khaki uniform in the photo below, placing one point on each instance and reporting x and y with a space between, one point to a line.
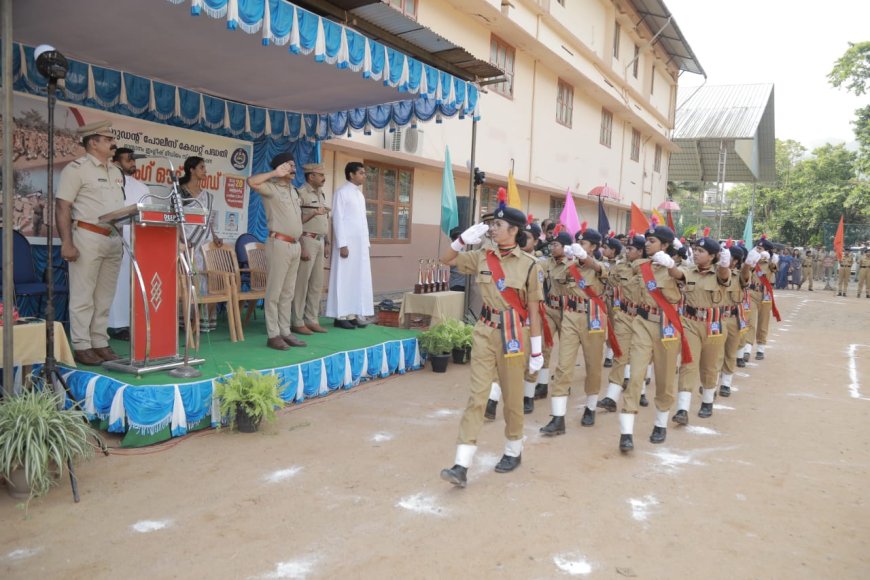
809 267
508 279
764 265
735 318
844 272
315 249
284 218
89 187
864 274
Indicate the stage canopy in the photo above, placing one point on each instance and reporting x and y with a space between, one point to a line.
244 67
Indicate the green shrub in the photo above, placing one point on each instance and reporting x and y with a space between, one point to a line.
255 393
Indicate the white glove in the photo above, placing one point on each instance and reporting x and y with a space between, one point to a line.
753 257
536 360
472 235
765 255
569 253
662 259
677 243
579 252
774 259
725 258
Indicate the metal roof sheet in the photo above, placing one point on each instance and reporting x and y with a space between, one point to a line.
656 15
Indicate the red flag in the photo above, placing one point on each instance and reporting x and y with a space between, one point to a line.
639 222
838 240
671 221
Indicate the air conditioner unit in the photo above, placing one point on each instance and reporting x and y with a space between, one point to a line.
406 141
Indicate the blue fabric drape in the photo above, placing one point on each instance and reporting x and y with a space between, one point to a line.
197 398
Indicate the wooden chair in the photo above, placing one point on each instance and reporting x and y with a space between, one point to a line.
257 272
220 288
223 259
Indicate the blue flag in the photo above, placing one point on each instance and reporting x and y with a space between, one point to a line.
603 222
449 209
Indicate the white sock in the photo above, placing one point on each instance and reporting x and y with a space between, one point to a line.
513 448
662 418
627 373
760 348
707 395
643 389
726 379
559 406
495 393
626 423
591 401
544 376
649 370
529 389
747 348
613 391
609 353
464 455
684 400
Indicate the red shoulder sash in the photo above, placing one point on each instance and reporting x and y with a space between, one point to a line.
666 307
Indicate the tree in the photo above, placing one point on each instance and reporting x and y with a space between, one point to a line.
853 69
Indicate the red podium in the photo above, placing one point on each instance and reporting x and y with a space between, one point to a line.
153 250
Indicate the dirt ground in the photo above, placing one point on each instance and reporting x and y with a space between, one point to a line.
774 485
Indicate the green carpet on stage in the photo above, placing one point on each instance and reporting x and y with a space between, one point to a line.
252 353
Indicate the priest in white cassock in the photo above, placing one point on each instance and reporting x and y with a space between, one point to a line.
119 313
350 278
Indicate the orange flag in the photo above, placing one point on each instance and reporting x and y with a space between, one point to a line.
639 222
838 240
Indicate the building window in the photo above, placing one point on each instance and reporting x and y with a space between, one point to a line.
636 60
556 205
564 104
606 127
616 33
635 145
502 55
388 192
406 7
652 81
489 197
657 160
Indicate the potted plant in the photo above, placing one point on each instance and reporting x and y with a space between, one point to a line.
438 343
37 439
461 337
247 398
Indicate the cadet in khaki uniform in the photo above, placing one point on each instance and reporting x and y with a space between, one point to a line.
284 218
735 318
584 323
764 265
843 275
654 338
315 249
624 298
809 266
864 274
706 283
89 187
501 338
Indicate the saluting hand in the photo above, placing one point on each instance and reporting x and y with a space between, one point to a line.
283 170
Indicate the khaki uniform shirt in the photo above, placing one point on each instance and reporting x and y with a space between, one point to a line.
865 262
847 261
620 277
554 270
522 272
283 214
308 196
93 188
768 269
664 281
567 285
734 294
808 262
702 287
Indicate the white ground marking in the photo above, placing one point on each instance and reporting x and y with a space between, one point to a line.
855 385
742 376
696 430
146 526
640 508
441 413
673 461
719 407
484 463
572 564
808 396
741 497
22 553
422 504
295 569
381 437
737 389
282 474
785 329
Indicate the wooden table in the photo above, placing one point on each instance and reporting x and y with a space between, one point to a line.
439 305
29 341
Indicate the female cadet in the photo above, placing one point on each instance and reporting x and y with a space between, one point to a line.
705 283
656 335
761 291
734 317
510 284
612 250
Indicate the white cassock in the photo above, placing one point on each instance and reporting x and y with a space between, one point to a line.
350 279
119 313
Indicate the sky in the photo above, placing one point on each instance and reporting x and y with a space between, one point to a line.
790 43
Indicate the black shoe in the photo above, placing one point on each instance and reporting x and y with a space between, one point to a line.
588 419
724 391
658 435
706 410
644 402
626 443
741 363
345 324
556 426
624 384
759 355
746 357
541 391
681 417
508 463
607 404
491 408
608 362
119 333
359 323
528 405
455 475
647 381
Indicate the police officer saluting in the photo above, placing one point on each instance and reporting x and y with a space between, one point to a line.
89 187
315 249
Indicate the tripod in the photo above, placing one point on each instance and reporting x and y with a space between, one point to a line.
53 65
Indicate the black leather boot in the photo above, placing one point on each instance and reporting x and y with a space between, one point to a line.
528 405
608 362
607 404
556 426
455 475
508 463
626 443
759 355
644 402
588 419
706 410
745 357
659 434
681 417
491 408
724 391
741 363
541 391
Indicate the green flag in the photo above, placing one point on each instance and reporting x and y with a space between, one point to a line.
449 211
747 231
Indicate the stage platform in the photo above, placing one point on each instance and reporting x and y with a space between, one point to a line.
155 407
